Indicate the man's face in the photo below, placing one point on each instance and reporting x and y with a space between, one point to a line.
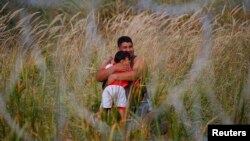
127 46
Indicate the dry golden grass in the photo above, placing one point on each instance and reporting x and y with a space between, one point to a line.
47 72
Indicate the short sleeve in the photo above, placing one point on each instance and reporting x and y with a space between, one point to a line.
107 66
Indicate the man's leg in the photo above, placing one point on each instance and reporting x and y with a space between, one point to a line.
145 105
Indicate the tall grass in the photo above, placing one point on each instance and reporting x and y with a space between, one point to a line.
47 73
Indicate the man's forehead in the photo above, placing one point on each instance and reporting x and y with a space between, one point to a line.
126 44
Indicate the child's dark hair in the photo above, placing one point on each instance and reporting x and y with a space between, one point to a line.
120 55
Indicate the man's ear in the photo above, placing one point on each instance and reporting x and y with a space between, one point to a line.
119 48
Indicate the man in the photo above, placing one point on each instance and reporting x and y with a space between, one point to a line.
135 76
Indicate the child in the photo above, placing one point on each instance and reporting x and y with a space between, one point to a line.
115 92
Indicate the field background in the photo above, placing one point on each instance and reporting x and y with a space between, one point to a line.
197 54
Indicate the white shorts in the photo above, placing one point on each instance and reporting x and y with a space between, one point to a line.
113 94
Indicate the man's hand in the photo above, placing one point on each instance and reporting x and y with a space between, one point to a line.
122 67
111 79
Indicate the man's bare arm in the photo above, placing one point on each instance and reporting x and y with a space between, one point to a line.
103 73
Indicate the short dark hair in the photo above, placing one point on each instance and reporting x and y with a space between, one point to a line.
121 55
123 39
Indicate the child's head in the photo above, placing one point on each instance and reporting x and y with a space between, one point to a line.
122 57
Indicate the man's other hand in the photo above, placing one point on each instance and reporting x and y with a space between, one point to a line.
122 67
111 79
